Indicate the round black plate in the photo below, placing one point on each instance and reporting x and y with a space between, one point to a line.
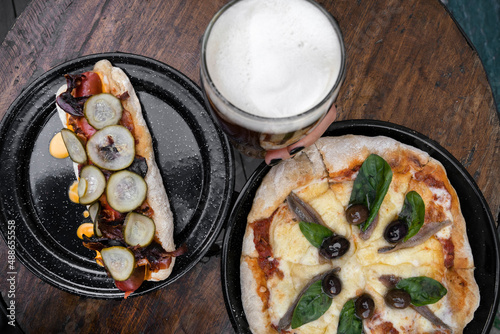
194 158
480 224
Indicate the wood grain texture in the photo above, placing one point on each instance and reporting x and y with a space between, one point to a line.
408 64
416 69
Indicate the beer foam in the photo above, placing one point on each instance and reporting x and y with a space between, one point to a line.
273 58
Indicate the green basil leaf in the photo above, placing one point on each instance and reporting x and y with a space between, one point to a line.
312 305
371 185
315 233
423 290
349 323
413 213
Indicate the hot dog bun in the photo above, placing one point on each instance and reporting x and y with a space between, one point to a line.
116 82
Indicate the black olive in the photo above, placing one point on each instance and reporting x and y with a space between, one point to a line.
364 306
334 246
357 214
395 231
397 298
331 285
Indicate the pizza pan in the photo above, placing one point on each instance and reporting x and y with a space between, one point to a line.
194 158
480 224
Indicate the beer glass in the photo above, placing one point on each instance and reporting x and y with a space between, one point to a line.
270 71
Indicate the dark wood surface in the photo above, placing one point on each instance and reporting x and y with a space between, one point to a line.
9 11
408 63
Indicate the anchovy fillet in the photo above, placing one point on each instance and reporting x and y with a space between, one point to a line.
427 231
426 312
365 235
303 211
390 281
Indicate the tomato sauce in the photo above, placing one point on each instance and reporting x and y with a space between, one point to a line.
267 262
377 324
449 252
345 174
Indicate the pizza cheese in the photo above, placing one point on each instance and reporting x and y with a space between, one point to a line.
307 267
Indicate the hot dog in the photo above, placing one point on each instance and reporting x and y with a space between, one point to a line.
119 179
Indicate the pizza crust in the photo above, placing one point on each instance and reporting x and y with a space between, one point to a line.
346 152
336 160
252 279
283 178
463 294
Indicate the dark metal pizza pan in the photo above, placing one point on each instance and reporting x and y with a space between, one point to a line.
480 224
194 158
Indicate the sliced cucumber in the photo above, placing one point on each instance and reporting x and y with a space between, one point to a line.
82 187
102 110
94 211
138 229
74 146
97 231
119 261
112 148
95 181
126 191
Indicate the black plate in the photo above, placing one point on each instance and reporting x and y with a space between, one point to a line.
194 158
480 224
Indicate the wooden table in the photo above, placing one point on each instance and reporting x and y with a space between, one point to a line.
408 63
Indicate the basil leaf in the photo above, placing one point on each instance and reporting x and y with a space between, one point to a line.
423 290
349 323
312 305
315 233
413 213
371 185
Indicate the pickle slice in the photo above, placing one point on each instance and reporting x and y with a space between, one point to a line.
119 261
74 146
95 184
138 229
102 110
112 148
126 191
94 211
82 187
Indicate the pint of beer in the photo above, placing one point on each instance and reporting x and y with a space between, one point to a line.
270 71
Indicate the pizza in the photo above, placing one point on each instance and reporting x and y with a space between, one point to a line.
357 234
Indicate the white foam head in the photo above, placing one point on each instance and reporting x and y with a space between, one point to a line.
273 58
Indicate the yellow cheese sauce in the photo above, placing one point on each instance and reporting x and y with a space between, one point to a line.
98 259
73 193
104 85
85 229
57 148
